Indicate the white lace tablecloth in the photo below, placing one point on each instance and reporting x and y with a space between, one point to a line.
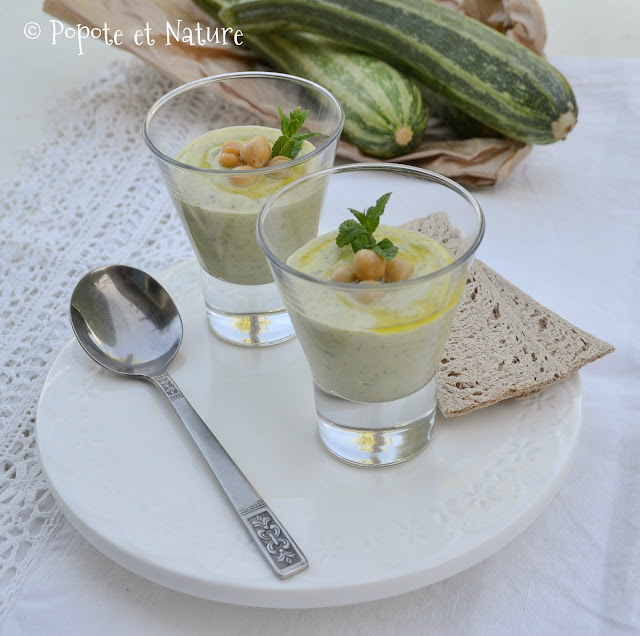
565 227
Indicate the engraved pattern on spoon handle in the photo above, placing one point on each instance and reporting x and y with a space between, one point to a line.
275 543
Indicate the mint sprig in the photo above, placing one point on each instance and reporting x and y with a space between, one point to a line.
359 233
290 142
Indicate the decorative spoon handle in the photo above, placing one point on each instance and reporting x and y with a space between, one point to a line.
275 543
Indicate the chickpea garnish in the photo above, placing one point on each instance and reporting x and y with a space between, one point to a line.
232 146
343 274
229 159
281 174
243 180
368 265
369 296
398 269
256 152
230 154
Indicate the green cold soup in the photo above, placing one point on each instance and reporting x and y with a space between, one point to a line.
382 350
220 217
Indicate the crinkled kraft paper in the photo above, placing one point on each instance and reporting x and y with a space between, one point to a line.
476 162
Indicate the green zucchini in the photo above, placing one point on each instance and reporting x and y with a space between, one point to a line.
385 115
464 126
493 79
384 112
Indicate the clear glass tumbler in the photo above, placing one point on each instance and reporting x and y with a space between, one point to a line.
218 213
373 354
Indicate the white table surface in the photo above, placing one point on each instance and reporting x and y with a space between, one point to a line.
557 230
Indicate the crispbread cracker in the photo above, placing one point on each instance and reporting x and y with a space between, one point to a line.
569 345
490 354
502 342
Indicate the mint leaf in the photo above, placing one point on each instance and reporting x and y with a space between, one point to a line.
374 213
360 216
284 122
297 146
359 233
295 149
276 150
364 242
283 147
292 124
296 119
290 143
299 139
349 232
386 249
303 136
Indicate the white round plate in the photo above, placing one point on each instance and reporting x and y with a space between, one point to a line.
129 478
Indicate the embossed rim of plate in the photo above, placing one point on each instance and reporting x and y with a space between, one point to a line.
368 534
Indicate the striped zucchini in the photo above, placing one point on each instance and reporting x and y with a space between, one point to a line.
493 79
465 126
384 112
385 115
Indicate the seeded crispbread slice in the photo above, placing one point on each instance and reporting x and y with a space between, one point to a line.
489 355
502 343
569 345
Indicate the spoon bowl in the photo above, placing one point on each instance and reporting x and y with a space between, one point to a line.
126 321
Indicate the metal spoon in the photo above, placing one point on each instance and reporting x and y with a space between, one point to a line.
128 323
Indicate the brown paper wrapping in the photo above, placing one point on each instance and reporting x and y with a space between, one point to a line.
476 162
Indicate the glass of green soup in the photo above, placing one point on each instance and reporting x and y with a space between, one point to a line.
372 302
215 141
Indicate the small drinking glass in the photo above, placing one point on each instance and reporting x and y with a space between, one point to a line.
218 206
373 353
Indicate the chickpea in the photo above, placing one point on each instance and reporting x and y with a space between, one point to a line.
343 274
228 159
243 180
369 296
233 147
281 174
398 269
278 160
368 265
256 152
